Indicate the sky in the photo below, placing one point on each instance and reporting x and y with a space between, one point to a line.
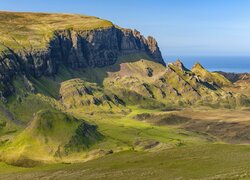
181 27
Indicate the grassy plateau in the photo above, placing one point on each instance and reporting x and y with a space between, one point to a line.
34 30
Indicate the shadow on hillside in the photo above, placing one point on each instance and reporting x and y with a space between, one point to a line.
99 74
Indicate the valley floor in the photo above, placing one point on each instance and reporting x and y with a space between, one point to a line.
215 161
200 144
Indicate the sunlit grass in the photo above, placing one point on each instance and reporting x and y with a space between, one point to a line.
35 30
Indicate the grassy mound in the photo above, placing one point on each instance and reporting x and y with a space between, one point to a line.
162 118
50 136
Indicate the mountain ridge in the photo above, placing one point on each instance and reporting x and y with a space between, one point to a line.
74 47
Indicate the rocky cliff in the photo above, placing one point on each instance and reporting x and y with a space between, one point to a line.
234 77
75 49
100 47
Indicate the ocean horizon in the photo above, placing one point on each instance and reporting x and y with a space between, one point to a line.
235 64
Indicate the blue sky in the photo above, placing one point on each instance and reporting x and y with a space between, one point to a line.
182 27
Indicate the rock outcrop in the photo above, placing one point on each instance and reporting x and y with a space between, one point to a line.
234 77
75 49
175 85
76 93
99 48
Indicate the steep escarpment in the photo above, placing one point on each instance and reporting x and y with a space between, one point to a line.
100 47
75 46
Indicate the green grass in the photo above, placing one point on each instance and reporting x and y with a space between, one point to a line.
6 168
141 150
23 104
35 30
6 125
51 135
29 105
199 70
122 131
215 161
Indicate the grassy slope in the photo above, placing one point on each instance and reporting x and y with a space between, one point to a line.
123 133
6 126
23 104
185 154
196 162
219 79
50 136
23 29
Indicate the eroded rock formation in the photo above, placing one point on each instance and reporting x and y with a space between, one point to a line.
75 49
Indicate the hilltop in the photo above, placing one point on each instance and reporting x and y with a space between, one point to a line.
35 30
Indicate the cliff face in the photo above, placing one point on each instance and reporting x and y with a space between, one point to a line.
234 77
99 48
75 49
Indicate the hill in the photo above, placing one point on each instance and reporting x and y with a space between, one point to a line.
240 81
38 44
175 85
74 88
50 136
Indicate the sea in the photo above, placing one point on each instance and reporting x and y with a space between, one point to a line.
236 64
